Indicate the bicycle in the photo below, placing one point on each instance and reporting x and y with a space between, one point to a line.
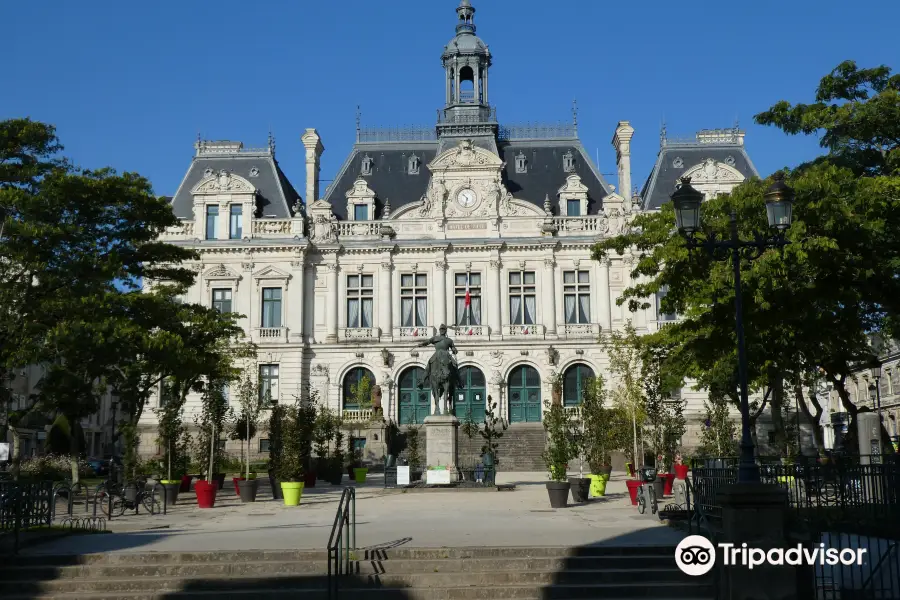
114 499
648 476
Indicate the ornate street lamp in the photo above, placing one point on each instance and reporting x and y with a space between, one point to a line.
875 389
779 204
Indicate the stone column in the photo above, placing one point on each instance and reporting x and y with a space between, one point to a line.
294 320
440 292
494 299
622 143
224 220
385 298
603 296
476 83
754 513
395 298
331 304
549 295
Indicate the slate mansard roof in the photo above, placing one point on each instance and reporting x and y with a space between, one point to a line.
677 156
390 179
276 197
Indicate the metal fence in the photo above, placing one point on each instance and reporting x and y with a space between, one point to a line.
848 503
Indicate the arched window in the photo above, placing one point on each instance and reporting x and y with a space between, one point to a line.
467 85
524 395
471 396
575 380
414 401
354 384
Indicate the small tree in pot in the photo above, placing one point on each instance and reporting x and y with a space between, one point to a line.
250 399
491 432
276 445
307 411
336 462
290 462
556 455
323 436
414 452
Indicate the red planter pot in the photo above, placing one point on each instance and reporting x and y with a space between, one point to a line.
185 484
235 480
669 482
633 485
681 471
206 494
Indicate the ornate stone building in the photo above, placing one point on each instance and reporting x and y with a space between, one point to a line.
346 284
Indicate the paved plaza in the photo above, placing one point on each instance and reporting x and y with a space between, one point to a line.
393 517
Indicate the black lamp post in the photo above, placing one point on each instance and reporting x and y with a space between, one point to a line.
779 202
875 390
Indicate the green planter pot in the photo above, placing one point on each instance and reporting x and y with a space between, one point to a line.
598 485
292 490
359 474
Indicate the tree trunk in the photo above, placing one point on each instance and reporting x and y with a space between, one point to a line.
776 383
212 452
812 418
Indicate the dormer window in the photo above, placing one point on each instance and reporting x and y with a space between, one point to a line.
414 162
366 165
521 163
568 162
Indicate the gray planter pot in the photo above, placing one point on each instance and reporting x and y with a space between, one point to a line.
276 488
247 489
172 490
659 487
580 488
559 493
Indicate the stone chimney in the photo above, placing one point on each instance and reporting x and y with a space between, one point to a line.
314 149
622 143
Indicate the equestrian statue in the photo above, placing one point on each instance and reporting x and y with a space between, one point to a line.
441 373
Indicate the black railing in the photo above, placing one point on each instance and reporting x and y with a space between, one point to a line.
342 541
848 503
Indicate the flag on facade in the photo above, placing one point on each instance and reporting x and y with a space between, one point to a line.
525 331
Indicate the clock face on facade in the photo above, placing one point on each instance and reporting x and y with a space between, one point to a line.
467 198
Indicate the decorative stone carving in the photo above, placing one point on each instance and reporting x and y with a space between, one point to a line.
319 370
362 194
254 172
568 162
223 181
322 224
678 162
413 166
366 165
496 358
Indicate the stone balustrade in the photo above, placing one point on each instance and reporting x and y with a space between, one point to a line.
587 225
413 333
355 415
359 333
573 412
523 331
576 331
463 332
366 229
270 334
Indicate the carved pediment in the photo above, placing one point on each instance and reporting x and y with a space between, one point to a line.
712 171
221 272
465 156
320 206
222 182
271 272
360 190
573 186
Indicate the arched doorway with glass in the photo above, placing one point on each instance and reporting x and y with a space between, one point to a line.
356 382
575 380
471 395
413 402
524 386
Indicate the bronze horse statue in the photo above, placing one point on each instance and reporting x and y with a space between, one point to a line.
441 373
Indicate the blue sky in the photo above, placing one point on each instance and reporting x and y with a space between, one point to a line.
130 84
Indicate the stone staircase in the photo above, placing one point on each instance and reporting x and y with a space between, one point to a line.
545 573
520 448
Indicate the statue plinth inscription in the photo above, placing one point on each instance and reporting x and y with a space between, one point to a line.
440 441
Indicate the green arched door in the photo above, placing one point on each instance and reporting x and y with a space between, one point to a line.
471 396
574 382
414 403
524 395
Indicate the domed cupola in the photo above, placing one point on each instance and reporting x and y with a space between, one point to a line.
466 60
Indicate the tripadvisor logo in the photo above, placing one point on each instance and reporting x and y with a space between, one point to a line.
695 555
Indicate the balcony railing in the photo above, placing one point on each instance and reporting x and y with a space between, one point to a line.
574 331
359 229
360 333
469 331
587 225
413 333
353 415
523 331
574 412
184 229
271 334
271 227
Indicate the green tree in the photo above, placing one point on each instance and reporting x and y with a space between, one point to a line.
717 433
625 365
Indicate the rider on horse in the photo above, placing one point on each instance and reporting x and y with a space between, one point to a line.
441 372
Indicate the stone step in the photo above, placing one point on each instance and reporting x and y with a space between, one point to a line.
123 582
317 567
508 552
261 590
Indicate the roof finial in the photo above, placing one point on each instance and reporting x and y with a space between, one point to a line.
271 143
662 134
358 120
575 114
466 13
547 209
387 209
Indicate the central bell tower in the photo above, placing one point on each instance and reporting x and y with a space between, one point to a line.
467 112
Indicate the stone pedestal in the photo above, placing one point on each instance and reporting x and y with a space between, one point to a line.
755 513
440 441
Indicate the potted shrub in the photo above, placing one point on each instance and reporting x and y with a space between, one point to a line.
306 428
414 452
556 387
276 425
250 400
579 486
290 464
604 430
491 431
322 438
172 434
210 423
336 460
557 453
